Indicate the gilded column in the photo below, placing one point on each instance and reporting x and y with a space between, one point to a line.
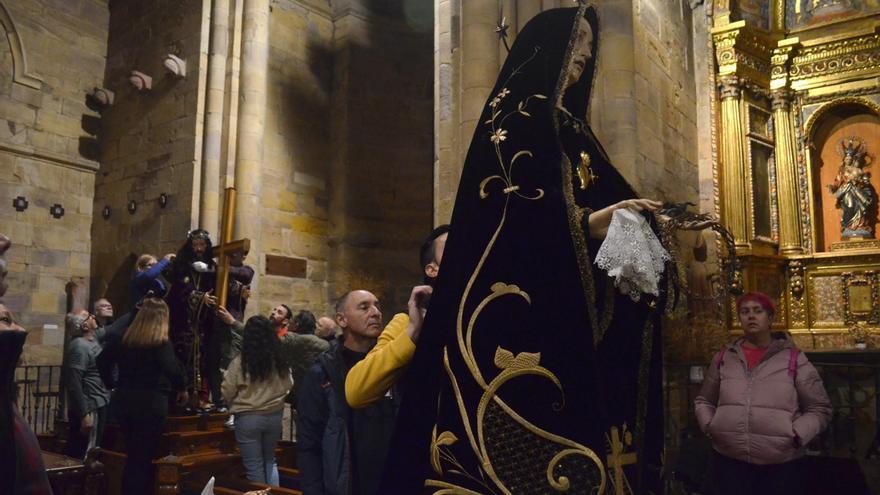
788 185
251 126
778 15
525 10
734 190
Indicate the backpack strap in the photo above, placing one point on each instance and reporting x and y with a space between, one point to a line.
792 363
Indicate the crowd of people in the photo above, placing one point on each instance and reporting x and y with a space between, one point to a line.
761 403
178 350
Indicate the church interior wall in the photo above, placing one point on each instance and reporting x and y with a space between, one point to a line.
381 204
665 99
297 151
347 165
48 153
150 142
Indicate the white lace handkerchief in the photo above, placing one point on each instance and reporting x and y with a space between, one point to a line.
631 254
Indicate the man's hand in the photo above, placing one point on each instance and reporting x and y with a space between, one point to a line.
225 316
417 306
209 299
86 424
169 257
182 397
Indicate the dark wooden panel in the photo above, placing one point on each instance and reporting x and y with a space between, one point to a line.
285 267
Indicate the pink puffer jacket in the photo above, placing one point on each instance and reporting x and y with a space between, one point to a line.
753 415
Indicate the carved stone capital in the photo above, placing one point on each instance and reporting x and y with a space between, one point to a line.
782 98
731 86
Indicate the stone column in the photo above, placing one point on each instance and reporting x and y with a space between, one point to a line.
734 191
479 63
447 168
788 185
525 10
251 127
209 211
508 11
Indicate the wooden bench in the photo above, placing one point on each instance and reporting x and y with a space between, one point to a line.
195 448
232 485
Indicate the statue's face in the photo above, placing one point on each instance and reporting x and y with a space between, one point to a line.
583 52
7 320
847 160
199 246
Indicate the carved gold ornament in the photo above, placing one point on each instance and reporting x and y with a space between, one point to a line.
585 172
618 457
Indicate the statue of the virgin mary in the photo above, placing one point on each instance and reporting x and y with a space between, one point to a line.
538 369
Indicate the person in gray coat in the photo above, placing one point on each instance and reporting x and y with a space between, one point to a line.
761 403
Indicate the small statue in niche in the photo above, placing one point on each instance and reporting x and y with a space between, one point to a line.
852 189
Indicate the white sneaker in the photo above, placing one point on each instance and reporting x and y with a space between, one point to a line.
230 423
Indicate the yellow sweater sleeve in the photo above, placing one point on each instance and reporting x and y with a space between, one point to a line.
372 377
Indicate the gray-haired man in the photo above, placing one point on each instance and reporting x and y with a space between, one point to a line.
88 398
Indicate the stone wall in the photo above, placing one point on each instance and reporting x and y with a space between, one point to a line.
297 153
150 141
644 108
48 155
381 201
346 176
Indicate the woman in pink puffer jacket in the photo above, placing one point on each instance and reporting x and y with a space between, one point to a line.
760 404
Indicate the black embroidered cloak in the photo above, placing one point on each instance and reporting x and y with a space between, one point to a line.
532 373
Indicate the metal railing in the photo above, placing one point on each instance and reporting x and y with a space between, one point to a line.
38 396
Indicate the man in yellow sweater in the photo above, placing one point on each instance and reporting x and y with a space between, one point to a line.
371 378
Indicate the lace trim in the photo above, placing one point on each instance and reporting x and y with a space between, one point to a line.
632 255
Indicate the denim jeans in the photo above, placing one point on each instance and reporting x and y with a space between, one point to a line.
257 435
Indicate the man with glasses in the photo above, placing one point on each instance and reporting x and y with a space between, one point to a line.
103 311
88 399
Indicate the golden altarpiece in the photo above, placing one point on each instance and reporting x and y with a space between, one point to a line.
797 134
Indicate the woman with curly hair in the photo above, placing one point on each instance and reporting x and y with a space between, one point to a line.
255 386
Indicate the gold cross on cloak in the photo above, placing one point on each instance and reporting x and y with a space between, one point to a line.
227 247
617 459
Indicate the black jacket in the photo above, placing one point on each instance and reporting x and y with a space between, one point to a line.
327 445
154 369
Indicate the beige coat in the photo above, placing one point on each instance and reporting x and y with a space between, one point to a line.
245 396
753 415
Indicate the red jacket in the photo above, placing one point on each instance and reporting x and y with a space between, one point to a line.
766 415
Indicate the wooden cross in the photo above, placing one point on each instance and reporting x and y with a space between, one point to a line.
227 247
617 459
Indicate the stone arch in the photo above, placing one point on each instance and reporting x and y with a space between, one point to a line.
19 60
